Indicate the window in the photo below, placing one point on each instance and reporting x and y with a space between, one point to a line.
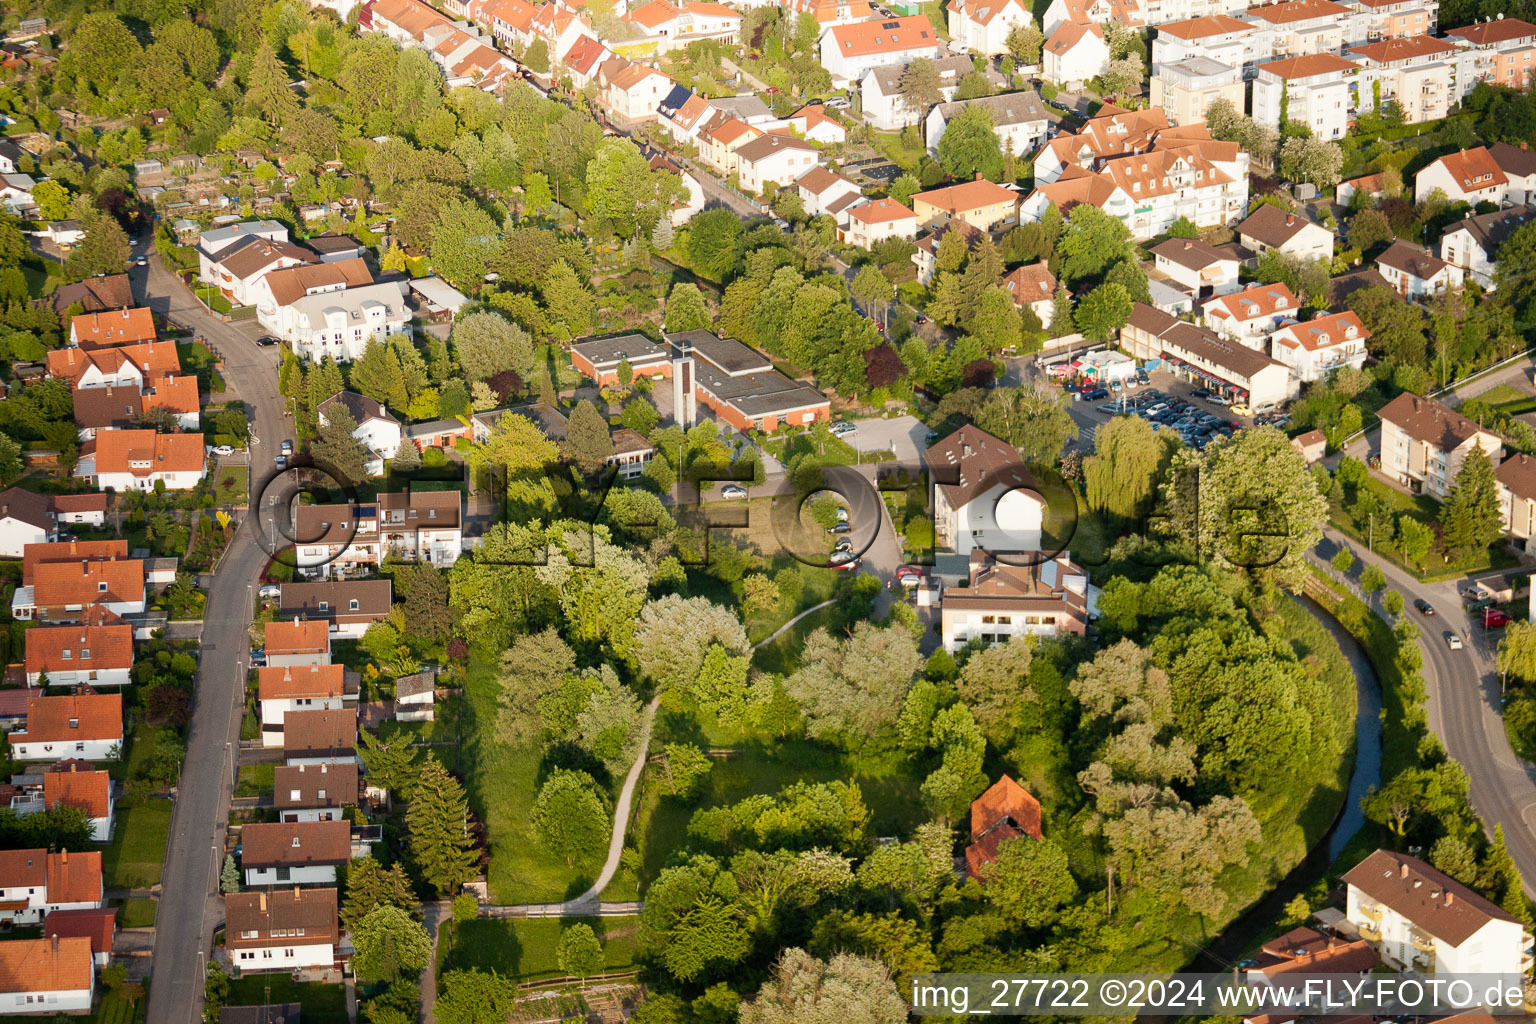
989 619
85 653
352 605
79 748
101 588
325 606
283 874
65 654
74 723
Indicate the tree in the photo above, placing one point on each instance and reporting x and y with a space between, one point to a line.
1311 159
1517 650
691 922
537 56
1372 579
389 943
571 305
623 190
100 49
993 686
1032 418
920 86
103 250
53 200
970 147
1103 311
1063 321
1470 518
336 450
571 816
475 997
371 885
579 953
1124 75
1414 538
686 310
846 989
1343 560
712 238
392 765
587 442
1025 42
229 878
1128 460
1030 881
486 344
438 821
674 634
1093 242
266 87
685 767
854 686
1369 229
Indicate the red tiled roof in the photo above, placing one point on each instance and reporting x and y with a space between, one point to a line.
1311 64
1406 48
1200 28
298 636
143 452
967 196
1487 33
34 555
109 647
31 965
74 877
881 211
1005 811
100 926
295 844
284 683
1474 168
95 716
89 790
113 328
57 584
884 36
1292 11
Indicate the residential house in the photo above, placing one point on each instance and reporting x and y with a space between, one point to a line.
216 240
1092 12
93 654
25 518
1200 267
88 726
820 188
880 91
777 158
928 247
1417 72
581 61
422 526
94 294
142 460
1420 919
336 539
297 642
47 976
1251 315
349 607
1315 348
872 222
1423 444
237 269
982 26
335 248
814 124
1473 244
85 509
631 453
1028 595
1504 48
294 852
682 112
377 428
1018 119
739 384
314 792
981 204
1344 963
320 737
281 929
721 138
1519 166
631 93
984 495
1229 368
1311 446
1414 273
97 925
1074 54
1005 811
290 688
1033 287
674 25
69 551
1187 88
848 51
1370 184
1269 227
443 434
35 884
88 790
125 406
107 367
1314 89
111 329
340 322
68 591
599 359
65 234
1471 176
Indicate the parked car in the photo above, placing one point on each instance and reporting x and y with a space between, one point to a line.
850 564
287 448
844 429
271 590
1452 640
843 544
733 491
908 570
842 527
1095 394
265 340
223 450
1219 400
281 462
1424 607
258 658
1493 618
842 515
142 261
840 556
1201 393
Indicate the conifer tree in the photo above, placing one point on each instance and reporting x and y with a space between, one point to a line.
1470 518
229 878
438 819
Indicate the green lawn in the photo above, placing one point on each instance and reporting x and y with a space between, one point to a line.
229 485
525 950
323 1004
136 855
137 912
255 779
890 144
1392 503
140 747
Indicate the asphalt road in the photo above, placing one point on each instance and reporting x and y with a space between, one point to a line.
190 907
1464 705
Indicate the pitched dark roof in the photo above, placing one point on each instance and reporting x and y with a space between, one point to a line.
1491 230
1426 420
1273 226
360 407
1434 901
96 294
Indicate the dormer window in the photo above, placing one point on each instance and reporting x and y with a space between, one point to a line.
295 842
352 605
101 588
325 606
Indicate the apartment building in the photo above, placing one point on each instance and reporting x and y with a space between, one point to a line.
1420 919
281 930
422 526
76 591
1314 90
339 323
1300 27
1227 367
982 26
1317 347
1253 314
125 406
349 607
303 688
1375 20
984 495
1204 181
237 269
1503 52
1092 12
1187 88
1473 244
1032 595
1218 37
1417 72
123 365
773 158
848 51
1423 444
337 539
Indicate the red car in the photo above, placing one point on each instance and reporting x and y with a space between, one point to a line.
1493 618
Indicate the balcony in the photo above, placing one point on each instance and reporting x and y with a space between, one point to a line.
1371 910
1422 941
1370 932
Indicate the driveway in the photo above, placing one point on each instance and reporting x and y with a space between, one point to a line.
190 905
904 436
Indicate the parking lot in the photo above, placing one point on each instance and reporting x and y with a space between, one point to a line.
1088 415
904 436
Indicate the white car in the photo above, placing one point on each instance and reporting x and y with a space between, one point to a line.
844 428
271 590
732 491
1453 641
223 450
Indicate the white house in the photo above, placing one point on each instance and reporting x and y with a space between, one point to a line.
281 929
871 222
47 976
821 188
294 852
376 427
87 726
141 460
1414 273
1198 266
1251 315
314 792
414 695
77 591
1315 348
35 883
340 324
631 92
1019 120
1423 444
291 642
776 158
303 688
1093 12
982 26
236 268
1473 244
813 124
984 495
25 518
1269 227
848 51
1074 54
216 240
1419 919
1033 287
83 654
1028 594
86 509
1470 176
1312 90
90 791
880 91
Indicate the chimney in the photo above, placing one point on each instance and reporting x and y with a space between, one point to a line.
1290 220
978 175
64 857
1405 869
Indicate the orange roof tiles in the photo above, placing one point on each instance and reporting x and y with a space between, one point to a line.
90 791
296 844
60 584
143 452
967 196
299 636
1032 282
884 36
152 359
112 328
1005 811
1068 34
174 394
881 211
34 555
73 717
1292 11
24 867
31 965
983 12
1322 331
74 877
1260 300
89 648
286 683
1203 27
1407 48
653 14
1474 168
1488 33
1292 68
